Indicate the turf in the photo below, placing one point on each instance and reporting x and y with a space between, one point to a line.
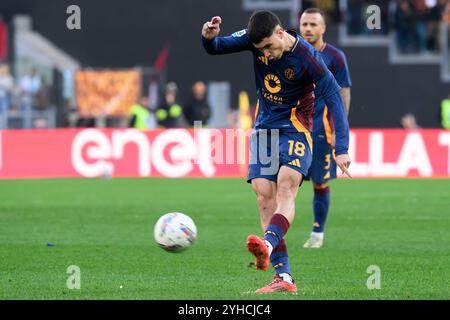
106 228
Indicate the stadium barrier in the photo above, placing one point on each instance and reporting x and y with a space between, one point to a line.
208 153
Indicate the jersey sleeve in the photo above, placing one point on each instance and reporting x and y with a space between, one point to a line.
342 73
237 42
328 87
341 128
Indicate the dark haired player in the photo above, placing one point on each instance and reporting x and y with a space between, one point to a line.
287 71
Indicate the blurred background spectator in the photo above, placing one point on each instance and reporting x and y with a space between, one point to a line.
408 121
418 25
445 113
86 122
355 21
434 18
329 7
197 108
43 95
410 36
6 88
169 113
141 117
446 13
29 86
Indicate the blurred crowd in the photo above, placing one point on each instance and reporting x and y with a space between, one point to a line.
171 112
418 23
409 120
31 92
21 98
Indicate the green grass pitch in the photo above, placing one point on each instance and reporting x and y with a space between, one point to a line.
106 228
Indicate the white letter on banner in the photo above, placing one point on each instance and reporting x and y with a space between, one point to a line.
101 151
376 156
444 140
182 154
207 140
414 155
121 138
357 169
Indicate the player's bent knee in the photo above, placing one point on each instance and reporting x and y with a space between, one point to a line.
265 197
263 187
264 191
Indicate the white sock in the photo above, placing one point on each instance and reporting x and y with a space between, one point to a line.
269 246
319 235
286 277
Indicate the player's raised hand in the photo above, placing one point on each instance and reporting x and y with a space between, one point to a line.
211 28
343 161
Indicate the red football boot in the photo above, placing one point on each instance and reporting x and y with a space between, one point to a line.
278 285
259 249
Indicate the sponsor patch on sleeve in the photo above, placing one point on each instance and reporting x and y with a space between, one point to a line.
239 33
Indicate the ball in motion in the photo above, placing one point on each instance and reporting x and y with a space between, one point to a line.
175 232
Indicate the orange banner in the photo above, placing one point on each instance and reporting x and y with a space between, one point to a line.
107 93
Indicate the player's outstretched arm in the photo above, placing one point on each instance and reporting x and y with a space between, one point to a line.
214 44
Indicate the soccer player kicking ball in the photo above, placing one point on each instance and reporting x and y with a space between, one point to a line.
323 166
287 71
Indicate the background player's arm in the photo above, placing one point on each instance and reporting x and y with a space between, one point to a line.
326 84
213 44
346 97
342 76
333 99
345 94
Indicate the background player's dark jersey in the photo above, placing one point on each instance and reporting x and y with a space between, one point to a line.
285 87
337 63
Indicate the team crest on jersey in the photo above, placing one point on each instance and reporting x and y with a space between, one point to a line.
289 74
239 33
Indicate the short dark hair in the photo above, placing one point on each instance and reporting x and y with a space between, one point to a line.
317 10
261 25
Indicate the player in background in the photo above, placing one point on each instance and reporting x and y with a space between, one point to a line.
286 70
323 166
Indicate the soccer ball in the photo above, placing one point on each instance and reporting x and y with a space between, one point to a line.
175 232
